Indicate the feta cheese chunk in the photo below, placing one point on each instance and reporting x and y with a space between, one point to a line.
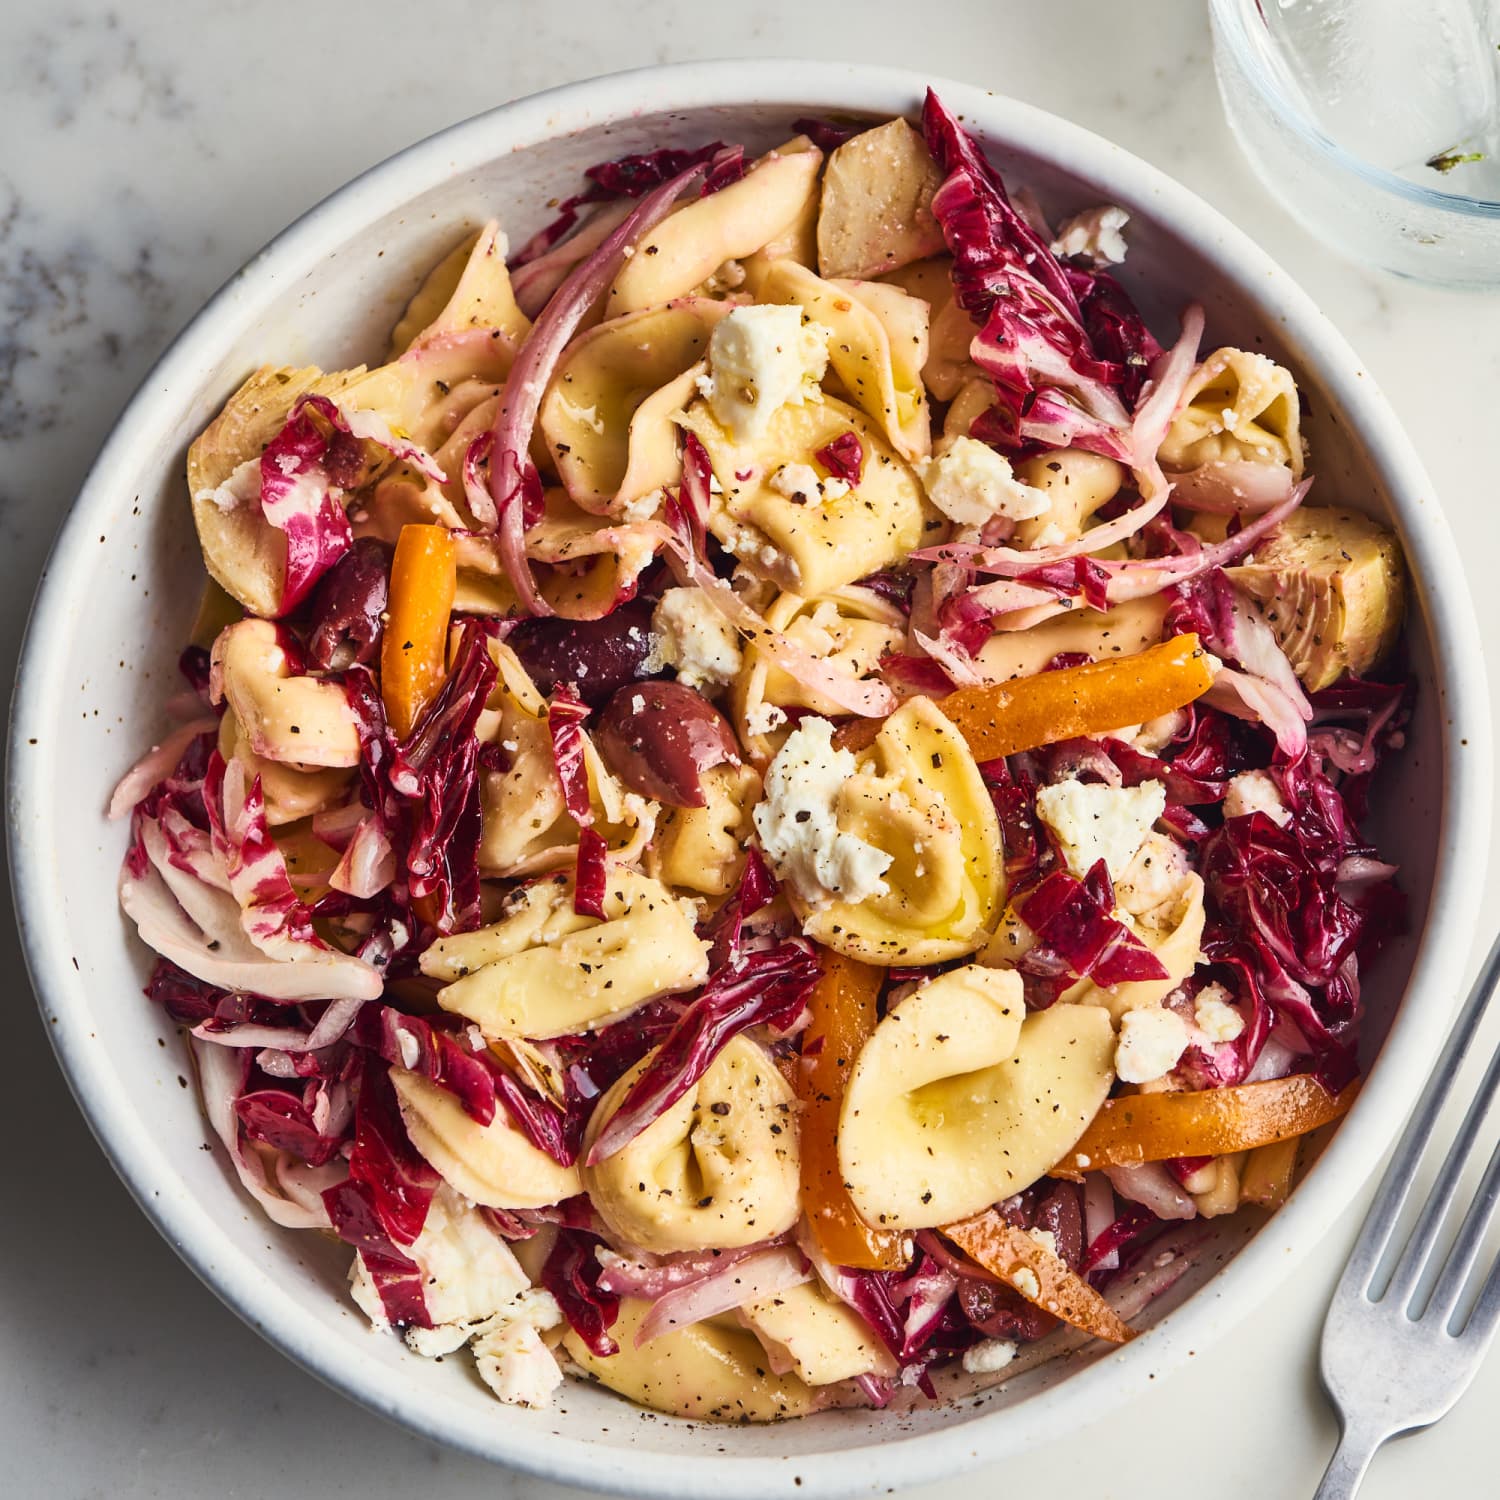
1215 1014
1253 792
1094 233
760 359
989 1355
798 823
1151 1041
1151 885
510 1355
800 483
1094 821
971 484
688 633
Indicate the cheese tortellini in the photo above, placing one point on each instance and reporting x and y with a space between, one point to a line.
543 970
526 825
917 796
607 414
1121 630
809 545
821 1341
494 1165
715 1370
702 849
1237 406
693 241
719 1169
853 627
960 1099
877 349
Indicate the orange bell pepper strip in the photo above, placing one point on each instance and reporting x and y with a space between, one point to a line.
414 651
1208 1122
1039 1275
1005 718
843 1018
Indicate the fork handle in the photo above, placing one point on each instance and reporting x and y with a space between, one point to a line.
1351 1459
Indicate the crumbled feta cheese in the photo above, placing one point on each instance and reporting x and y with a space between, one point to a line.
1094 233
1153 881
243 485
1256 791
798 821
411 1051
1151 1041
1215 1014
511 1357
971 484
760 359
1026 1284
1045 1238
797 482
762 718
643 507
1094 821
989 1355
692 636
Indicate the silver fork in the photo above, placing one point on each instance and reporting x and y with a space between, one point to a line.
1395 1358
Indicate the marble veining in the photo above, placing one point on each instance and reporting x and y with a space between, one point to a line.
145 151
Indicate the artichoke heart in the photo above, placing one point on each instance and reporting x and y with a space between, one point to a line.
1333 587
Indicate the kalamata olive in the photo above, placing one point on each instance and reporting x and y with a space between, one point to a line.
347 605
660 737
1060 1212
1000 1313
596 656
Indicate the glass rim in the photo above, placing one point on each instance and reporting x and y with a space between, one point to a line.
1231 21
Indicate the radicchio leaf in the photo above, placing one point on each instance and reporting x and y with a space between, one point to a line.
571 1274
844 457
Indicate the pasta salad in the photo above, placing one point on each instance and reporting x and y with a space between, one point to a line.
767 812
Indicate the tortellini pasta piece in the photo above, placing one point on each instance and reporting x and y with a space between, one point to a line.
713 1371
299 720
960 1099
606 416
695 239
1121 630
918 797
494 1165
291 793
526 824
543 970
950 330
819 1340
719 1169
1174 933
974 397
1238 405
852 626
1077 483
810 548
877 349
703 848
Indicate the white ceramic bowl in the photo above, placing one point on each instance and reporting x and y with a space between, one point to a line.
117 597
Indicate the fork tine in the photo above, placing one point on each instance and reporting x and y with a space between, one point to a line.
1486 1315
1407 1275
1471 1236
1400 1177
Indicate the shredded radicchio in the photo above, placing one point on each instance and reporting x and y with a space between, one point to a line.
571 1274
844 457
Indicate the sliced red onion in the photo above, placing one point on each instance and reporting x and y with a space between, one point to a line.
368 864
1098 1216
1152 1185
515 420
1232 486
761 1274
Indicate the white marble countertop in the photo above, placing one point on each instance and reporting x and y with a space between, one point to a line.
146 155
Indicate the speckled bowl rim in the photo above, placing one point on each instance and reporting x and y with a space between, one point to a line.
1355 1151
